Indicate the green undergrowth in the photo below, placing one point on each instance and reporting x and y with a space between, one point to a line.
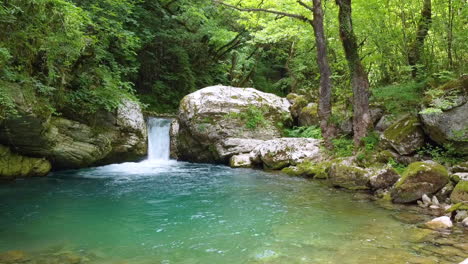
445 154
304 132
399 98
253 117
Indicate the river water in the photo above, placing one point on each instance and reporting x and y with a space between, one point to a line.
163 211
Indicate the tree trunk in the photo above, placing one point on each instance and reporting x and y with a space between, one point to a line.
325 105
450 34
359 80
414 53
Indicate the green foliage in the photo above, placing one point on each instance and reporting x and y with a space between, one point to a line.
400 98
304 132
342 147
446 154
400 168
7 105
253 117
371 141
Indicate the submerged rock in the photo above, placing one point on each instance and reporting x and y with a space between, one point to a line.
439 223
211 116
405 136
460 193
419 178
16 166
279 153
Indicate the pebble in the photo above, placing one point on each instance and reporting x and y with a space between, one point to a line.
442 222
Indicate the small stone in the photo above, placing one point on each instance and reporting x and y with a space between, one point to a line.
426 200
435 201
442 222
465 222
421 204
464 262
434 207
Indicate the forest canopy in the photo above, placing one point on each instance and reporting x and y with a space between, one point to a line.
82 56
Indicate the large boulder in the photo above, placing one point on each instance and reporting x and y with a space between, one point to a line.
418 179
16 166
445 118
279 153
460 193
106 137
209 118
405 136
173 132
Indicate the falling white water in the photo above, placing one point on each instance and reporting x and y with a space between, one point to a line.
158 138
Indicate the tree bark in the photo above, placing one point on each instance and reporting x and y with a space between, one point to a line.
414 52
359 80
325 104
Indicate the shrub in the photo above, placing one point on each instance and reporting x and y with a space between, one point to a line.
304 132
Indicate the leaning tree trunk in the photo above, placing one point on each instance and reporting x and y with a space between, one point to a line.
359 80
324 106
414 52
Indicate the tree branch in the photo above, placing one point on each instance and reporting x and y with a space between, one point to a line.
305 5
296 16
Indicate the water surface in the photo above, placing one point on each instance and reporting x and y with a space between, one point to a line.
174 212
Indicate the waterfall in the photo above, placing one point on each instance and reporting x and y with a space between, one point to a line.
158 138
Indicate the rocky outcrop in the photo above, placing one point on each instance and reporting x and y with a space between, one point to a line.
419 178
241 161
16 166
405 136
173 132
218 122
460 193
106 137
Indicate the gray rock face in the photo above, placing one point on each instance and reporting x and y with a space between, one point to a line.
212 118
405 136
450 126
173 132
109 138
282 152
241 161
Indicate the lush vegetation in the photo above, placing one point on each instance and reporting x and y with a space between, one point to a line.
85 55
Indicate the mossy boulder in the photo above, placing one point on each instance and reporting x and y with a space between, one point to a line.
16 166
344 173
308 116
460 193
405 136
317 170
241 161
211 116
298 102
418 179
384 178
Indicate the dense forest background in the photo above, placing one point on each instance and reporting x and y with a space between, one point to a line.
81 56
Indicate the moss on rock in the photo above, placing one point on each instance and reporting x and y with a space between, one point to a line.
16 166
309 169
418 179
346 175
405 136
460 193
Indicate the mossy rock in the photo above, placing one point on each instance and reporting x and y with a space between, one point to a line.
460 193
309 169
418 179
405 136
16 166
344 174
309 116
